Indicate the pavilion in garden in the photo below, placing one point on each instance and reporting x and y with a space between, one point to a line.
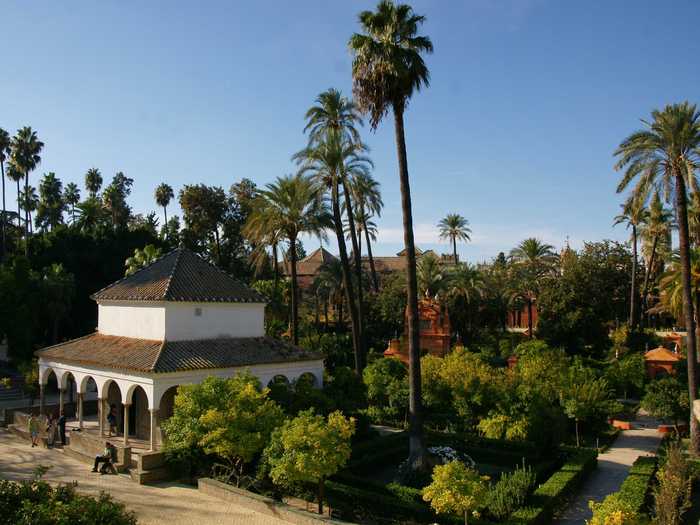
174 322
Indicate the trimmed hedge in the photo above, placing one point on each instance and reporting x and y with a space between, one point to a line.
635 489
550 496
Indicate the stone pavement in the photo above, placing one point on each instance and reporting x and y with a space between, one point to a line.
165 503
613 466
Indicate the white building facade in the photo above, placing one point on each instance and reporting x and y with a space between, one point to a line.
174 322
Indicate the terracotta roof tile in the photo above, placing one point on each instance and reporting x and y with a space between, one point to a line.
124 353
180 275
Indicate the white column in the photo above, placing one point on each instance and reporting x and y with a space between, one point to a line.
41 399
80 410
154 418
100 415
60 401
126 425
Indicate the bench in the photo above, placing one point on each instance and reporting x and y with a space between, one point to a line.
86 447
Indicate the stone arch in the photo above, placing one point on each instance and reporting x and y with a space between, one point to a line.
166 403
307 378
86 382
279 379
45 373
139 415
111 393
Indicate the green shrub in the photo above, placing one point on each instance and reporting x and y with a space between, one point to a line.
635 489
38 503
509 493
547 498
615 509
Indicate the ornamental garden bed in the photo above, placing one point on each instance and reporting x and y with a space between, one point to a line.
366 490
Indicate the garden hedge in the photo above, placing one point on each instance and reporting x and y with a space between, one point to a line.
552 494
635 489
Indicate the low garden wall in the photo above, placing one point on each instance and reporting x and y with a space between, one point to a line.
260 504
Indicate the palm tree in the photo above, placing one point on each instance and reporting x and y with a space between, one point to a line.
330 162
368 203
292 205
330 278
90 214
387 69
430 275
665 155
5 151
467 282
164 193
332 111
71 196
93 182
633 215
30 203
14 174
532 259
142 258
454 227
26 155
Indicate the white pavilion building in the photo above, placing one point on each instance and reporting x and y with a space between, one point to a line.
174 322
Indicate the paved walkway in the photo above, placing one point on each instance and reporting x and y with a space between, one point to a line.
612 470
165 503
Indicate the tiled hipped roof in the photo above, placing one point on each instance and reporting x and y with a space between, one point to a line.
142 355
180 275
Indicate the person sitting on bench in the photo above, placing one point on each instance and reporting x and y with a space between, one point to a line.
108 458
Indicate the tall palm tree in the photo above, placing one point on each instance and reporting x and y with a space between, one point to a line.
655 232
91 214
15 175
467 282
164 194
431 277
294 206
633 215
30 203
454 227
532 259
330 161
368 204
26 155
93 182
331 125
71 196
330 277
5 151
665 155
387 69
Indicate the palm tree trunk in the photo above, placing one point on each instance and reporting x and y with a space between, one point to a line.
347 278
529 317
325 314
27 219
338 315
454 248
218 246
633 282
647 275
4 211
295 297
358 272
417 452
684 242
165 215
73 212
375 282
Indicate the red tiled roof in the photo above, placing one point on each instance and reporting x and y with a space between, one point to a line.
662 354
180 275
142 355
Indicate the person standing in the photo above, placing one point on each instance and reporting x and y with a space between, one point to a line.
112 420
33 426
62 428
50 430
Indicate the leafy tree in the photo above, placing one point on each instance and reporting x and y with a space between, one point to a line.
26 156
114 199
387 69
93 182
454 227
5 151
665 155
510 492
310 448
142 258
456 488
71 196
672 495
586 398
164 194
628 373
387 388
204 209
58 291
239 428
666 399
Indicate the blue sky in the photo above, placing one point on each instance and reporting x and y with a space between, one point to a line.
527 102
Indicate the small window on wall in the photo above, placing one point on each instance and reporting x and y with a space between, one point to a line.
198 312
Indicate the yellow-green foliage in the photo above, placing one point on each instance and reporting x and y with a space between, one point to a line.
615 510
309 448
456 488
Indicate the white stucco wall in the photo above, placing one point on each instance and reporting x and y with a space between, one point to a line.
145 321
215 320
179 321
